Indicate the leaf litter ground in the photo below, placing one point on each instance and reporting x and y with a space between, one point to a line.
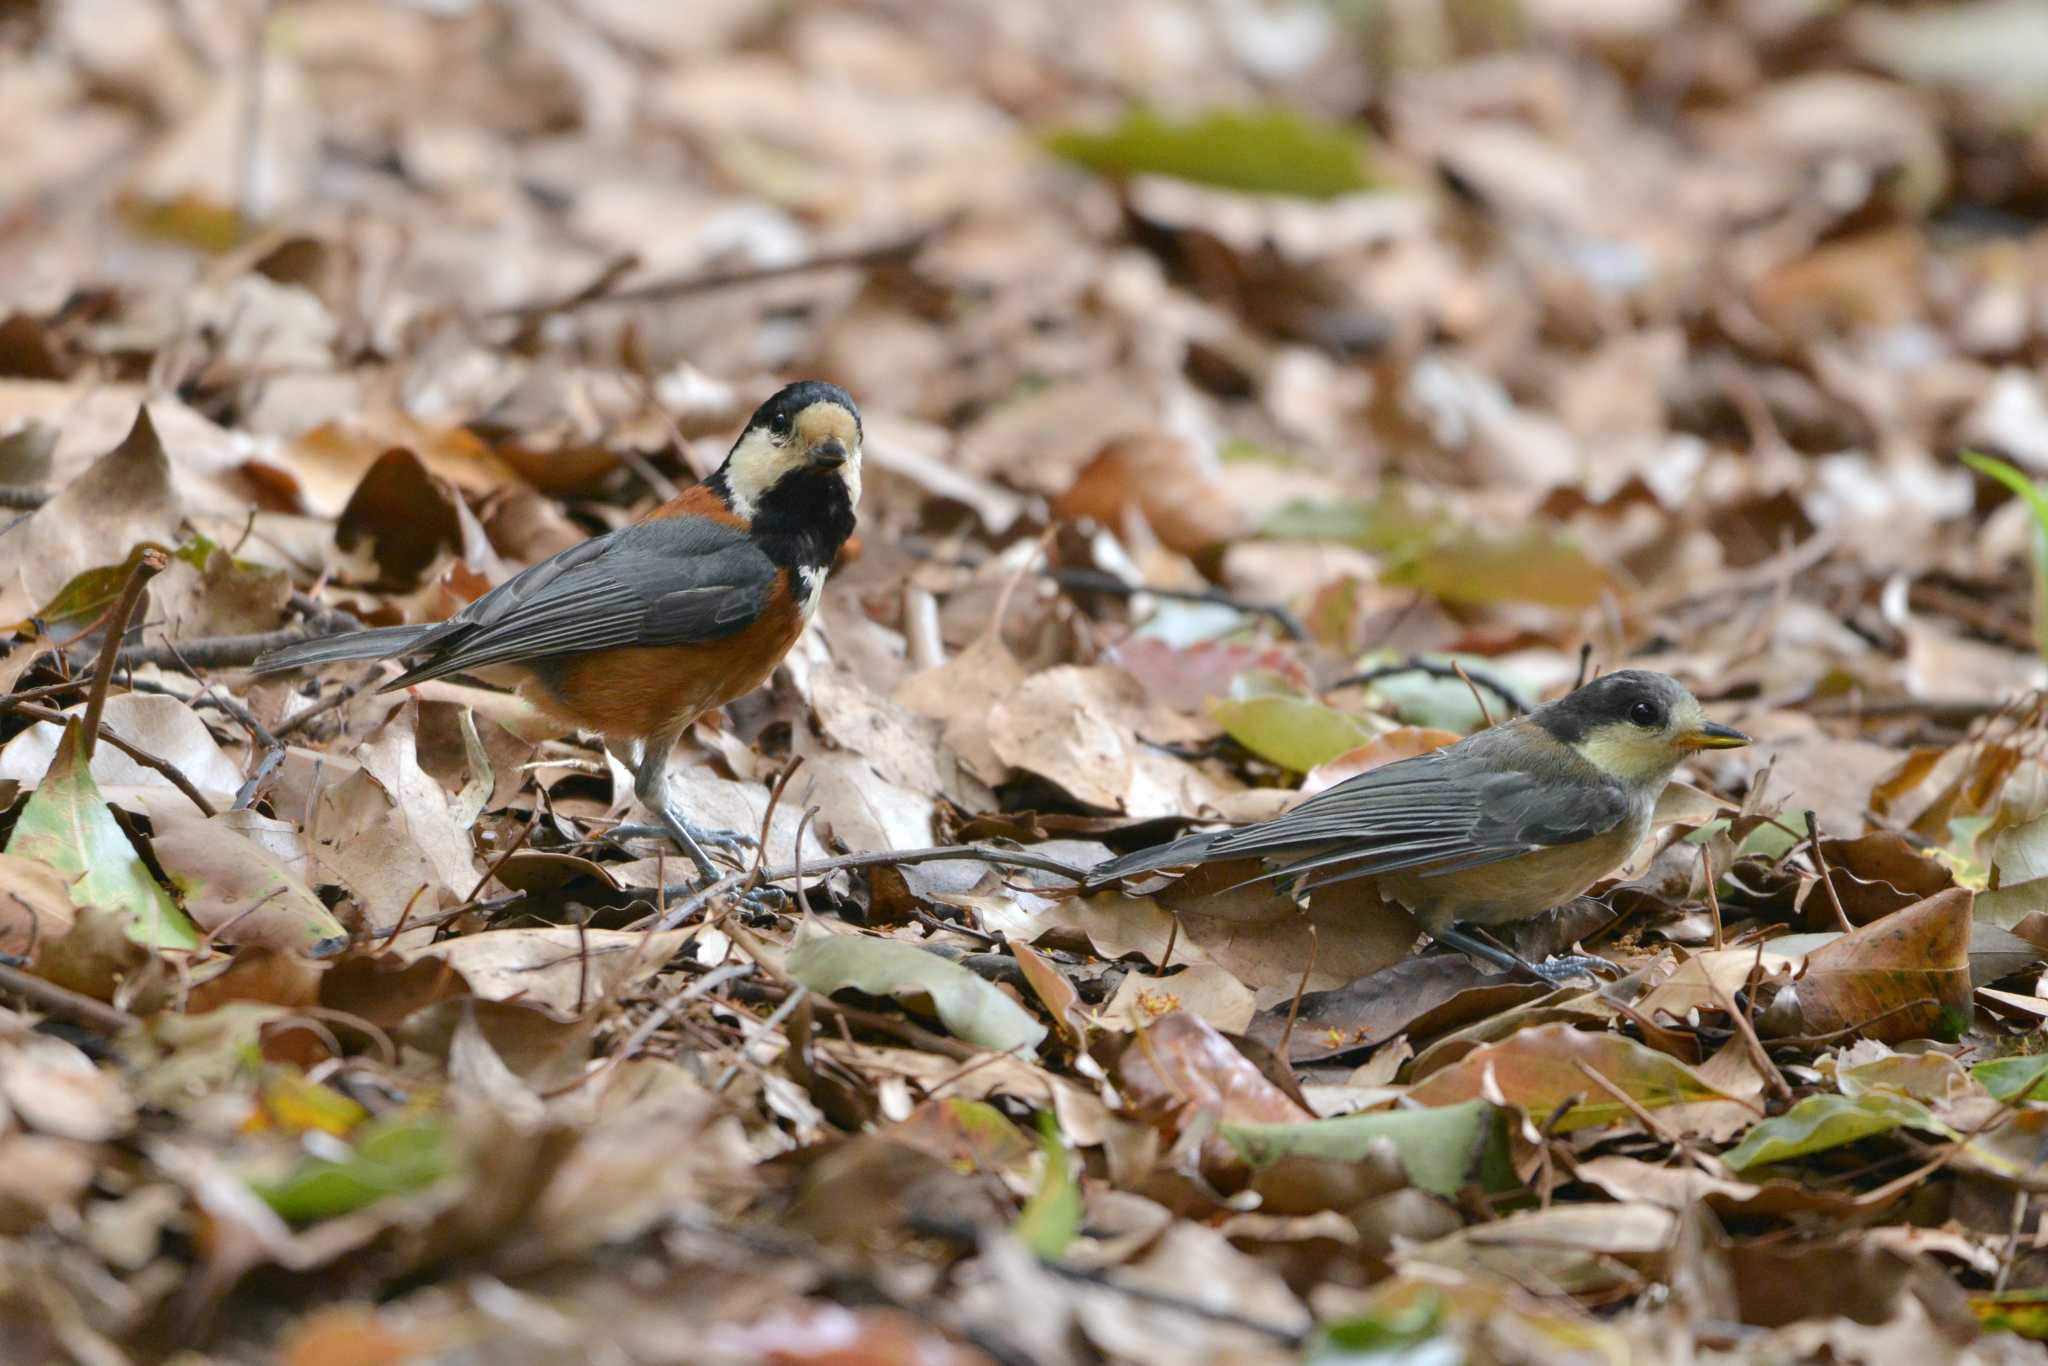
1220 448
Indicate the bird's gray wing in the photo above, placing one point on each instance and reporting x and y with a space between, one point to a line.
671 581
1440 817
1433 814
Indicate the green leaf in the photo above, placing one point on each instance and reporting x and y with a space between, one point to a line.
399 1153
1438 1147
1051 1219
2024 1312
2037 501
1421 699
1390 524
1540 564
967 1005
2010 1078
68 826
1296 733
1819 1123
1428 551
92 591
1382 1335
1263 151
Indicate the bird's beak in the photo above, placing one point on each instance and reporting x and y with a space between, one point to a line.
1714 735
829 454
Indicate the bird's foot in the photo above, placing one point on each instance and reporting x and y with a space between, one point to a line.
690 838
1565 968
762 907
703 835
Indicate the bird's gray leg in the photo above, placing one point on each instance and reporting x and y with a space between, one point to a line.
650 785
1556 970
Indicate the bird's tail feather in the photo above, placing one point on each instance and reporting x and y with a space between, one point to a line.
378 643
1185 850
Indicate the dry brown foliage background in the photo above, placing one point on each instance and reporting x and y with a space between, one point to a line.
1232 371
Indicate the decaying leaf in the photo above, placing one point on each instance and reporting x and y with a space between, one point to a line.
68 827
967 1005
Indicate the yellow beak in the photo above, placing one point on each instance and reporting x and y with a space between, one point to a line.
1714 735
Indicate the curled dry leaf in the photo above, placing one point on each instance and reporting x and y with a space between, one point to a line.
562 971
968 1006
123 499
160 725
238 892
1902 977
1167 480
1086 730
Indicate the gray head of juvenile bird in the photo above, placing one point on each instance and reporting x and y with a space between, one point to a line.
1634 725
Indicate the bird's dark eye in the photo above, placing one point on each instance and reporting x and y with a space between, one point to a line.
779 424
1646 714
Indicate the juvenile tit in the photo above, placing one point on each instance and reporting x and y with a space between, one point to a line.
1500 827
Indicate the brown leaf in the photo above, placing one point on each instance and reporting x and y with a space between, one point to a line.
35 906
125 498
1085 729
558 970
1902 977
54 1089
404 521
237 891
1550 1071
1166 479
1180 1067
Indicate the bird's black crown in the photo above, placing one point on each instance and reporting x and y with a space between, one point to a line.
779 413
1633 696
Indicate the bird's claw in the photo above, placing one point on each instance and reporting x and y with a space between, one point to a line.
761 906
691 839
1565 968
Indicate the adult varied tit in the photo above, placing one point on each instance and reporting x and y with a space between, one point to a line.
1500 827
637 633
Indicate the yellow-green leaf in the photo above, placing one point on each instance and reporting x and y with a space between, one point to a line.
1264 151
68 825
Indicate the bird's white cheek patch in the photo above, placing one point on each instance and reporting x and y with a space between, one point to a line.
813 577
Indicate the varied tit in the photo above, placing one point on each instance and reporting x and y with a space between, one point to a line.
637 633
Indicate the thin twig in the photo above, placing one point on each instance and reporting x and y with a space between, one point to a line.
273 748
148 564
1300 989
1099 581
71 1005
1713 896
1759 1056
321 617
172 774
972 853
704 282
1485 712
326 704
1834 900
218 652
1445 671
